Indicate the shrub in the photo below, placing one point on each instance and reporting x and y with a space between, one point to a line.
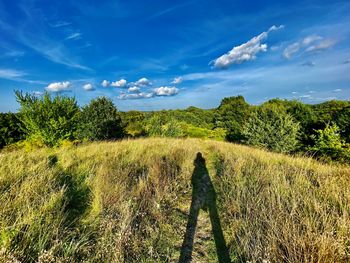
272 129
328 144
100 120
47 119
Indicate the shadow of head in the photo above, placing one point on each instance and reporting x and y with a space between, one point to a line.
199 160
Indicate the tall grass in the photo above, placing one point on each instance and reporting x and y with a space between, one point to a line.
128 201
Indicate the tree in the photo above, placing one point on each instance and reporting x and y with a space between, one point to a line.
49 120
11 129
271 129
328 144
100 120
231 115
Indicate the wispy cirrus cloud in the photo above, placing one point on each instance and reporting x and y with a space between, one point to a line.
74 36
140 95
60 24
17 75
244 52
311 43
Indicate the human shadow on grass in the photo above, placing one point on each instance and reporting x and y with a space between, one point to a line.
203 197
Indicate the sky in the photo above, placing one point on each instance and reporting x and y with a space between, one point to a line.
152 55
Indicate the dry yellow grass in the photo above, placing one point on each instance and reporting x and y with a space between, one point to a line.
128 201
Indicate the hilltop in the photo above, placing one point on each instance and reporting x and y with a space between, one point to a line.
129 201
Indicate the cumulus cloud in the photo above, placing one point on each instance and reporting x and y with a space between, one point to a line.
119 83
142 82
177 80
165 91
311 43
244 52
140 95
88 87
59 86
134 89
337 90
105 83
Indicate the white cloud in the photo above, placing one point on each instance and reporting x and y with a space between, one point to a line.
165 91
119 83
305 96
88 87
308 44
291 50
140 95
59 86
105 83
60 24
321 45
143 82
337 90
38 93
11 73
74 36
134 89
244 52
177 80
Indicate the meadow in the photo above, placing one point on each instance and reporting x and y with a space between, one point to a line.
128 201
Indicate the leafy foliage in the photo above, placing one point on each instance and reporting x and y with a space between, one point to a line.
100 120
48 119
231 115
11 129
271 129
328 143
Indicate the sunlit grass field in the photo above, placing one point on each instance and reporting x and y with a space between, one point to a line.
128 201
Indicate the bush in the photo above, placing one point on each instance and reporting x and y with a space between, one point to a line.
100 120
328 144
272 129
47 119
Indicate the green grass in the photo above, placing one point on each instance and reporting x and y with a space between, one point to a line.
128 201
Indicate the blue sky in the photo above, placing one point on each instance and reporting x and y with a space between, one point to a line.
151 55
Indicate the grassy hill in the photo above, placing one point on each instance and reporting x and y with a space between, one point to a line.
128 201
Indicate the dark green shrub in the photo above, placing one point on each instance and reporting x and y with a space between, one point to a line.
100 120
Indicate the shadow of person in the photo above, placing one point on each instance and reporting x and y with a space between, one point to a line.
203 197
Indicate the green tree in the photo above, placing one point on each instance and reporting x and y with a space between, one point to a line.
11 129
100 120
231 115
328 144
271 129
49 120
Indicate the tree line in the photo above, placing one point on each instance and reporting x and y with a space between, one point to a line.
286 126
